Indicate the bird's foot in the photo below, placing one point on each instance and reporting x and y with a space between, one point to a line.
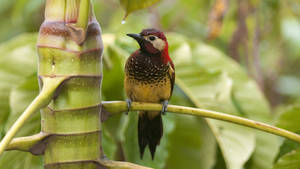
164 107
128 101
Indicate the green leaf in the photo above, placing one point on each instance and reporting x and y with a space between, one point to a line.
245 94
290 160
18 88
133 5
17 61
191 141
213 90
20 97
287 147
290 119
289 154
191 137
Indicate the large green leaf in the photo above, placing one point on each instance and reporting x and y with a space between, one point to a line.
290 119
20 98
245 94
290 160
289 154
191 137
133 5
286 147
17 61
213 91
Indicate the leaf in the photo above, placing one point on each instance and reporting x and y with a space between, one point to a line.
20 97
287 147
245 94
192 141
133 5
290 160
191 137
213 90
289 119
289 154
17 61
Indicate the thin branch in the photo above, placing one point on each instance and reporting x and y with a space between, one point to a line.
114 107
26 143
121 165
49 87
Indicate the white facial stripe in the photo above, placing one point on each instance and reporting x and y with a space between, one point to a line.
157 43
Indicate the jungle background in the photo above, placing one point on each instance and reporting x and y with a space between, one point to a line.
239 57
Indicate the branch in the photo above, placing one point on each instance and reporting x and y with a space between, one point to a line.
114 107
121 165
27 143
49 87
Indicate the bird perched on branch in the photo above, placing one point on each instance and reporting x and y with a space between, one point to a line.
149 77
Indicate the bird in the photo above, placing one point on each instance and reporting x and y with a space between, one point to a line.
149 77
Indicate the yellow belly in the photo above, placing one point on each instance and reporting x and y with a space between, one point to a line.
147 92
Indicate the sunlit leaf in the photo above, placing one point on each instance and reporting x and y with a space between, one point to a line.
133 5
290 160
17 61
286 147
20 98
290 119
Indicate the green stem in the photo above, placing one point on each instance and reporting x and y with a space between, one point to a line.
44 97
121 165
26 143
83 17
114 107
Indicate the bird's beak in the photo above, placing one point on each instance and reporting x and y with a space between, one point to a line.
137 37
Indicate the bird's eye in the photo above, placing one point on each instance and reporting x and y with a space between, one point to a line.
152 38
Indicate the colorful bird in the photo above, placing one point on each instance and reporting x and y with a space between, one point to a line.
149 77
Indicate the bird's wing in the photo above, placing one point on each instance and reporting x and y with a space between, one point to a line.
171 75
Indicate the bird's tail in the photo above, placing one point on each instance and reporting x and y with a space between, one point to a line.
150 130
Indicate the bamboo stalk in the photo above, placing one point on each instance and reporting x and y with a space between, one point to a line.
70 45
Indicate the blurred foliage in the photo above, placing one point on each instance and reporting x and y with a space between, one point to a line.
133 5
248 65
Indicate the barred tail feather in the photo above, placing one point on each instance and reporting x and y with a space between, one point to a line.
150 131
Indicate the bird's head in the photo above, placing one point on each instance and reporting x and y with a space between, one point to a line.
151 40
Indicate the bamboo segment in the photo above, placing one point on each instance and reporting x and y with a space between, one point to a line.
72 119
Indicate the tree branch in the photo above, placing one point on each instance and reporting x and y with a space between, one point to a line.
114 107
121 165
26 143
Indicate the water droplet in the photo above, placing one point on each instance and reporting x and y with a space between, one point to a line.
123 22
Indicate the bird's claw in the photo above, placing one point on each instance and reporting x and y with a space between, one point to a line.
164 107
128 101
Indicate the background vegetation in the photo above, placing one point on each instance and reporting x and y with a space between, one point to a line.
240 57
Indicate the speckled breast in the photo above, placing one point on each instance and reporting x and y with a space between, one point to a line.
147 69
